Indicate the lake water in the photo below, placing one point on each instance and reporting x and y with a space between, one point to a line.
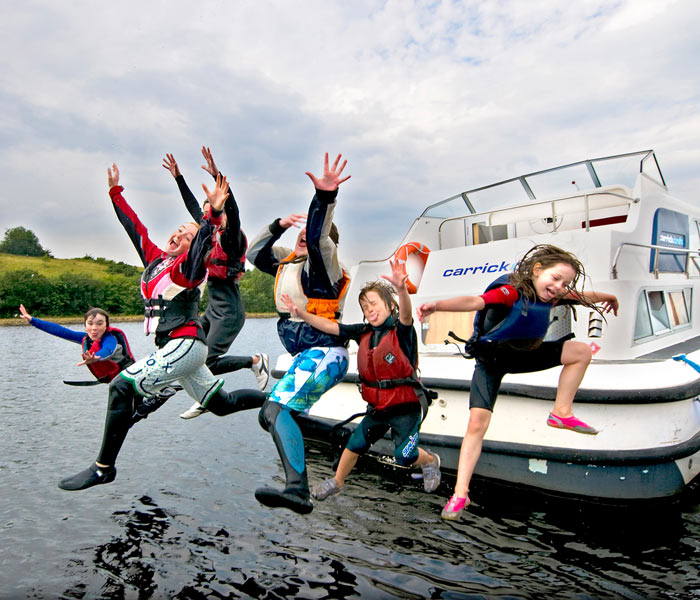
180 521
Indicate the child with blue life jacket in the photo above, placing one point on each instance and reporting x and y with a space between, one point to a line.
387 358
512 319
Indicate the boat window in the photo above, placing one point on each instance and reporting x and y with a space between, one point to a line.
679 312
448 209
662 311
482 233
505 194
563 182
618 170
642 327
651 169
657 310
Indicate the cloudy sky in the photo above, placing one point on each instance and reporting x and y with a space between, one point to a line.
424 99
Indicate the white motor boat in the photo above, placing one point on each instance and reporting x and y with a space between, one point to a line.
641 389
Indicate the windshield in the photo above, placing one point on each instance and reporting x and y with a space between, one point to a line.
563 181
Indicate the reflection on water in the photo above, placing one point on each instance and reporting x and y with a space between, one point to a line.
180 521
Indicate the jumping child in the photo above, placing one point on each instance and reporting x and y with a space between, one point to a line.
386 362
511 322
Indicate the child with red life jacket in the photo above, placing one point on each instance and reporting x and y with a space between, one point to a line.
387 358
224 316
512 320
105 352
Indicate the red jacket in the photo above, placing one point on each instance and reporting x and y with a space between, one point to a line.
380 365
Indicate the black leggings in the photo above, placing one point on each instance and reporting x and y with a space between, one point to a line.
120 408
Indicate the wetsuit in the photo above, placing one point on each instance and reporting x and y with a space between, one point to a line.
224 316
387 352
317 283
507 338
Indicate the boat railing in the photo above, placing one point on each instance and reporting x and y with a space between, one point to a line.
551 211
690 256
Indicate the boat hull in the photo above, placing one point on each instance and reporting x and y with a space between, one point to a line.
646 449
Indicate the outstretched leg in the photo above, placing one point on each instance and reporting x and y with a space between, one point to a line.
117 424
280 422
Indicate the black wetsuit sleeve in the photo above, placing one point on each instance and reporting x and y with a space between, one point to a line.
319 284
233 240
191 203
264 257
351 332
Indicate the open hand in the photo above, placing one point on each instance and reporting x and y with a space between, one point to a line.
113 176
331 177
291 307
398 275
295 220
170 164
218 195
210 167
88 358
24 314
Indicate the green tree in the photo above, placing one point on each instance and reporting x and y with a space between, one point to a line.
22 242
257 290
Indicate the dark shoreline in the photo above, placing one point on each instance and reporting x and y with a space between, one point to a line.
114 318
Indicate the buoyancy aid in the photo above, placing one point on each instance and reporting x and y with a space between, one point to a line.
522 328
387 375
107 369
288 281
166 304
220 266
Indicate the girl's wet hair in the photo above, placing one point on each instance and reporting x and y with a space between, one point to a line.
93 312
547 256
385 291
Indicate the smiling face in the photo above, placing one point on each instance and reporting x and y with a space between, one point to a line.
552 283
95 327
179 242
374 308
300 248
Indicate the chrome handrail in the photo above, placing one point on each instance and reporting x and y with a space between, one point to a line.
552 201
687 251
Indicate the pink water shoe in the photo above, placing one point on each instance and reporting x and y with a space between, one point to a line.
453 509
571 423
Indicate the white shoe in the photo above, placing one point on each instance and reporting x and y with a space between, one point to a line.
261 369
193 411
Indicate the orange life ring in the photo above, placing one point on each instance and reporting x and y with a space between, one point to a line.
404 252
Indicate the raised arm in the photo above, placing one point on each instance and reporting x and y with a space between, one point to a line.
320 323
609 301
136 230
398 279
191 203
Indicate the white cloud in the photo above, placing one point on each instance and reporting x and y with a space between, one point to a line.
425 99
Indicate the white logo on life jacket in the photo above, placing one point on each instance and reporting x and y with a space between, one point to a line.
390 358
505 291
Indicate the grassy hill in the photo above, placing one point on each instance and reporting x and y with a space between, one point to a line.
57 287
54 267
